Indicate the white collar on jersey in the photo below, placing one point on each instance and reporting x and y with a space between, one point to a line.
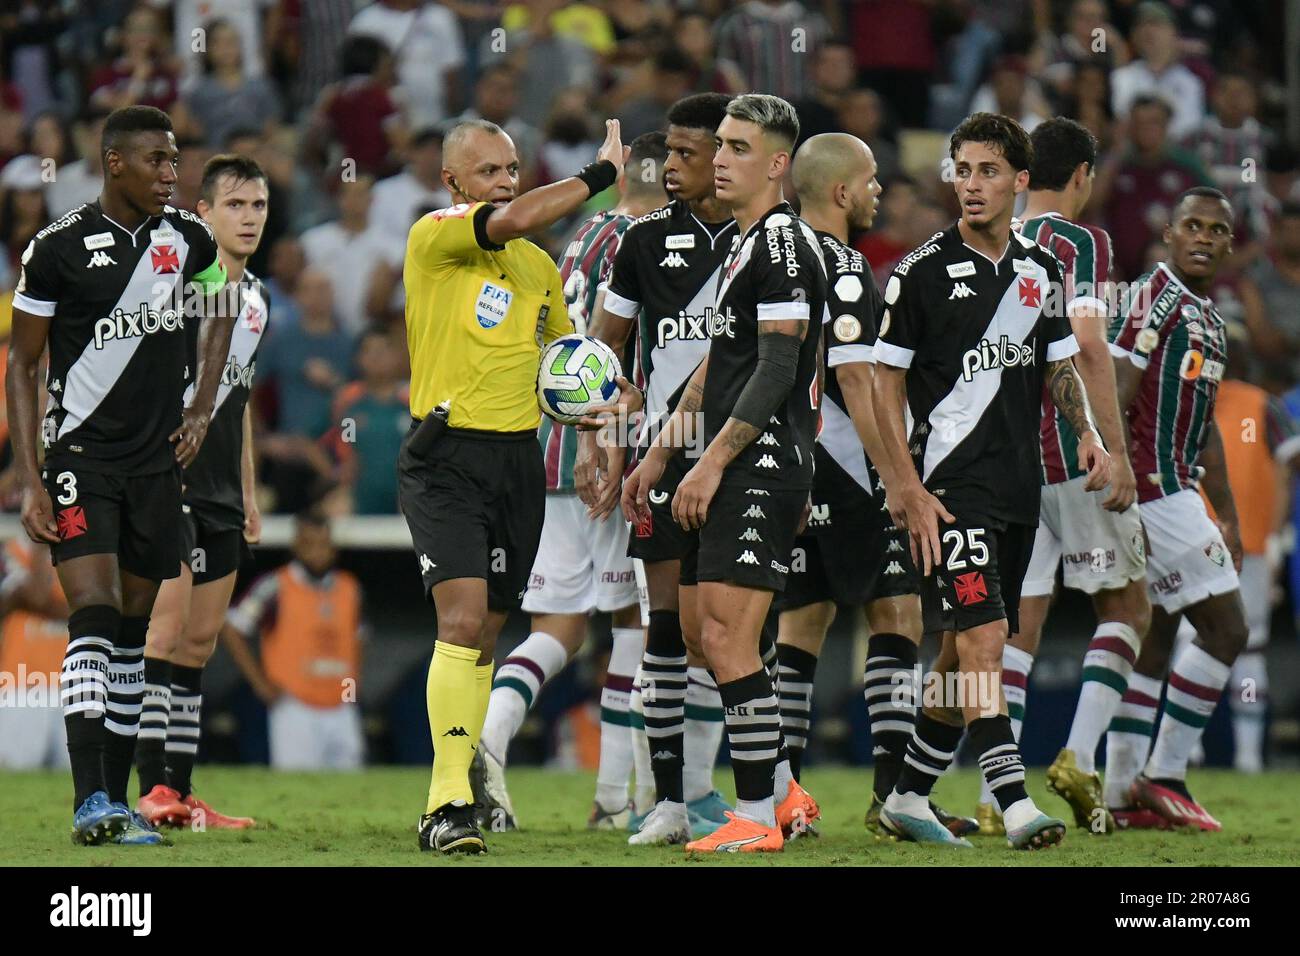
1173 277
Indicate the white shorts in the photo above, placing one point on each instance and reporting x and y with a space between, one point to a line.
1256 595
582 565
314 738
1187 560
1101 550
33 738
642 591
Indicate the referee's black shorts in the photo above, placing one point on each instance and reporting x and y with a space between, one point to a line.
475 505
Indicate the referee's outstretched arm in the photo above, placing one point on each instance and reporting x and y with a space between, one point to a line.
482 166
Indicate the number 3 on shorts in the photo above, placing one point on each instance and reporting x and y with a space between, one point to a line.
69 482
973 540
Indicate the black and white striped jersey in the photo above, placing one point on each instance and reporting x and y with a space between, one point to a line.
665 276
119 356
212 481
775 273
975 336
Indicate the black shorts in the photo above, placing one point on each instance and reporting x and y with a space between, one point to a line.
659 537
475 505
213 552
749 535
131 516
984 564
857 557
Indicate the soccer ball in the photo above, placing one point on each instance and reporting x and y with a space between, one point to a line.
576 375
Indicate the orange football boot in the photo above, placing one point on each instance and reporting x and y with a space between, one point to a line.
162 806
739 835
214 820
796 811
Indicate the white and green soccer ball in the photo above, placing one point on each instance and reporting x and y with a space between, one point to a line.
577 374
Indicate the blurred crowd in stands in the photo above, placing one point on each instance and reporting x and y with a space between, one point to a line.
345 104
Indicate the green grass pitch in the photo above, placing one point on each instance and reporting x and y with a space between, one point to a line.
369 819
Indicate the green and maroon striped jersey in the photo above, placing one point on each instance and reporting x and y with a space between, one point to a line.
585 267
1180 343
1084 252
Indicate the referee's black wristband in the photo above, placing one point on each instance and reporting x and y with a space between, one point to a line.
598 176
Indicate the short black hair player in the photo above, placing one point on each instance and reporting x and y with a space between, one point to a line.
973 326
662 294
758 392
110 287
220 517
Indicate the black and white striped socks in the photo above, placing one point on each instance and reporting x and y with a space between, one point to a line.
663 701
796 669
83 693
155 712
890 689
999 759
753 732
125 693
183 726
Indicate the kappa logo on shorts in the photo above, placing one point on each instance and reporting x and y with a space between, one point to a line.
767 461
894 546
894 568
767 439
751 535
747 557
71 522
1217 553
778 566
754 512
756 491
971 588
426 564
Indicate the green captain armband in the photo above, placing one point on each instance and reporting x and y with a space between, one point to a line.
213 278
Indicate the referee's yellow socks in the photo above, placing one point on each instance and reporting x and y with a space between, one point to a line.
483 687
455 721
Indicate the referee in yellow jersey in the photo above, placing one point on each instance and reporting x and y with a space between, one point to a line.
481 303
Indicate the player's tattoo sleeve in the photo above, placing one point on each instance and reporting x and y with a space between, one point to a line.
1069 396
779 342
1214 481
